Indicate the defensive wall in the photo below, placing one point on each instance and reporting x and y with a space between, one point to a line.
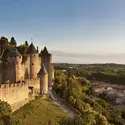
18 94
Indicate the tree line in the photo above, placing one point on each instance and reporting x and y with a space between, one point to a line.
113 76
77 92
12 44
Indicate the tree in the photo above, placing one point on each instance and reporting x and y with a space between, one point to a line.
86 118
5 109
13 42
5 115
26 44
71 100
22 49
4 45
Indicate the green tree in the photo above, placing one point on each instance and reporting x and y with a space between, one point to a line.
26 44
5 115
4 42
86 118
72 100
22 49
13 42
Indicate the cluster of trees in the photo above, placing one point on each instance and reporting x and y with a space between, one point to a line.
86 118
77 91
12 44
5 115
100 74
69 88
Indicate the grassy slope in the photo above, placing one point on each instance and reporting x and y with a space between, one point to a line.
40 112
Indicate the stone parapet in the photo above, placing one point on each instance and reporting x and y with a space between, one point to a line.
2 86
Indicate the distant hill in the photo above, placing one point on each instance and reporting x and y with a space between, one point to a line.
105 65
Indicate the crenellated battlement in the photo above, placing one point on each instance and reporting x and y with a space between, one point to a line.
25 68
2 86
26 83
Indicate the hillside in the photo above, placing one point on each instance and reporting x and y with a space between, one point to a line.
40 112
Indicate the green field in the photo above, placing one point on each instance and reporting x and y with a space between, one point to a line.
40 111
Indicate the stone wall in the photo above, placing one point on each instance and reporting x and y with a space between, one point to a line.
18 105
19 69
8 72
27 67
13 93
34 65
33 82
1 73
18 94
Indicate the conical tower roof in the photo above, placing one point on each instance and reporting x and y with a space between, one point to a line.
42 71
31 49
13 53
44 51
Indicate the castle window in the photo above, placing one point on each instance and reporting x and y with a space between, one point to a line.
32 64
19 56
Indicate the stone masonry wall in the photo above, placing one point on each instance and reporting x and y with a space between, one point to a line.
18 94
0 73
13 93
34 65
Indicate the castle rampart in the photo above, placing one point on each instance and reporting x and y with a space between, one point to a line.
17 92
18 75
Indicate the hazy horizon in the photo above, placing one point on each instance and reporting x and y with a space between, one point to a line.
75 31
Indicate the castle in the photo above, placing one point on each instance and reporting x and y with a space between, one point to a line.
20 72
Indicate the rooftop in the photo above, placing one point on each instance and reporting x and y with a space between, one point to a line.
31 49
44 51
13 53
42 71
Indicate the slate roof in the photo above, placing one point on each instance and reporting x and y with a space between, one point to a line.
44 51
13 53
31 49
42 71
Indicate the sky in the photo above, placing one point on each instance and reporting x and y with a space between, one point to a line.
74 31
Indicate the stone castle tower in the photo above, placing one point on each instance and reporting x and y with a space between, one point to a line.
43 75
46 59
15 67
34 61
19 67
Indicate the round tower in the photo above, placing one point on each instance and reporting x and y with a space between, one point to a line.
52 74
34 61
43 75
15 66
46 59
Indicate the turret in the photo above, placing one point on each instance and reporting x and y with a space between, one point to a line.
34 61
43 75
46 59
15 66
